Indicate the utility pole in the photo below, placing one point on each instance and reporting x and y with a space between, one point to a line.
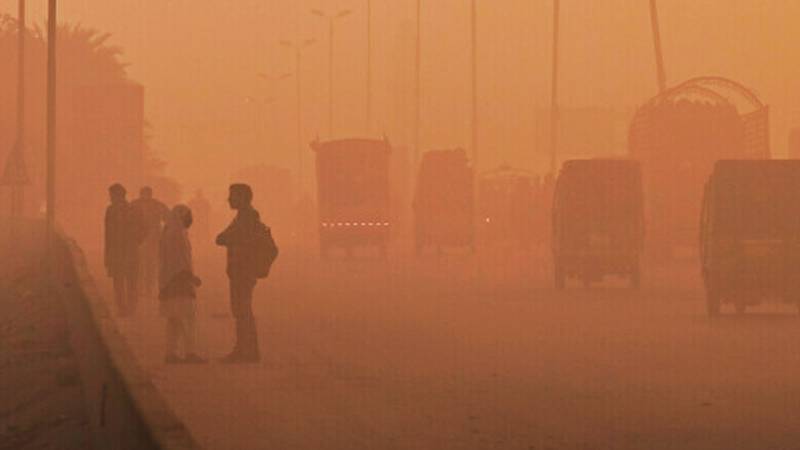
52 30
662 78
368 126
298 48
331 20
17 189
417 84
475 86
330 80
15 174
554 110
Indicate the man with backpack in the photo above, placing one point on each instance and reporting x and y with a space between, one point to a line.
251 251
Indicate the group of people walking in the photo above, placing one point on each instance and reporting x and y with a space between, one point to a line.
147 245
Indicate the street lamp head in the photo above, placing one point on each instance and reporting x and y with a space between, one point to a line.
309 42
319 13
344 13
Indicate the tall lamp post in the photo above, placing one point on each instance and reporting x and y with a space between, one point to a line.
16 175
298 48
417 84
474 20
52 30
368 111
554 112
270 79
331 20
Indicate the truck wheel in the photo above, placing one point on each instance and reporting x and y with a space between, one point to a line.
712 304
560 278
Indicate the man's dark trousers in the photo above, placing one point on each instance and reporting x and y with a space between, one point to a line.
242 308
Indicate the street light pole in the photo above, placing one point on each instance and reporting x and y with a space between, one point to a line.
417 84
52 30
475 85
17 193
21 74
330 79
331 19
298 48
369 68
554 111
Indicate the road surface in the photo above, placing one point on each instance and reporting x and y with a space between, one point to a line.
454 354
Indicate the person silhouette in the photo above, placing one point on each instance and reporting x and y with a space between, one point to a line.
153 213
124 231
177 285
238 239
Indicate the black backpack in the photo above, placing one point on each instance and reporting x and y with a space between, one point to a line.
266 251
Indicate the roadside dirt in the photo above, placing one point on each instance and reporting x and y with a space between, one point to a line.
41 403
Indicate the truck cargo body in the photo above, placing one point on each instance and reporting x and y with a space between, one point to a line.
598 223
353 194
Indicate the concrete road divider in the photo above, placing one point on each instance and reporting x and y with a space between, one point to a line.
124 408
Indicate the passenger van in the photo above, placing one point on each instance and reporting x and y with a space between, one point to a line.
598 221
750 233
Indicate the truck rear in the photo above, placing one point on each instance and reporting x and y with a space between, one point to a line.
750 233
598 221
353 194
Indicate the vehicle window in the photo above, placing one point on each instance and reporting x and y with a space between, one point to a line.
759 206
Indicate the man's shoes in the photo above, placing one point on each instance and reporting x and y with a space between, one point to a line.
231 358
193 358
173 359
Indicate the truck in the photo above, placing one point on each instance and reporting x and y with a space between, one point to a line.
598 221
750 234
443 202
353 194
507 207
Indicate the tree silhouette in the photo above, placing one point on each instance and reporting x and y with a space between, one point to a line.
93 148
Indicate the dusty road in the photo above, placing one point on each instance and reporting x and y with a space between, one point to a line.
446 355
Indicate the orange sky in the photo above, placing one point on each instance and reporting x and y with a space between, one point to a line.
199 59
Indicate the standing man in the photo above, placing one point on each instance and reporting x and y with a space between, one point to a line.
124 231
154 214
240 240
